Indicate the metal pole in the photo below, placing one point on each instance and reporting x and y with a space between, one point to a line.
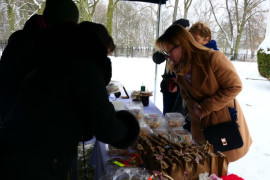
158 34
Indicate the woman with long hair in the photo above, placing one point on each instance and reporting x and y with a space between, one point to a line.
209 85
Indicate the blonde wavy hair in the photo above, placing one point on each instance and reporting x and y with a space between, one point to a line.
192 51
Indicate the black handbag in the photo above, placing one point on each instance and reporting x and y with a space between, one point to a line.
224 136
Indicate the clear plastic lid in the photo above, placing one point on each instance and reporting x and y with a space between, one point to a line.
174 119
180 134
153 120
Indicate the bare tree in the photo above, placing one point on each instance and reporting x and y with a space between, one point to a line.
254 33
201 11
130 21
100 14
18 11
110 10
177 8
86 9
11 14
238 14
187 4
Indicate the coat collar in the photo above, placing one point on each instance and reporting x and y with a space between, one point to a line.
198 78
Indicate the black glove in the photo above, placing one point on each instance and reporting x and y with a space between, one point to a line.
133 129
233 113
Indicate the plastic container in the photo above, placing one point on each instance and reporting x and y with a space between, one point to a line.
174 119
180 135
136 108
153 120
145 129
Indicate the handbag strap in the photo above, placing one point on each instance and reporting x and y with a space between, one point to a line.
235 121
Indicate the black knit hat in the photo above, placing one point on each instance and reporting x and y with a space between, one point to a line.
183 22
158 57
57 11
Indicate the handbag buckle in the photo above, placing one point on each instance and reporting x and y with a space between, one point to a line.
224 141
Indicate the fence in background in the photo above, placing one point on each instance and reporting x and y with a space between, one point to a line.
133 52
147 52
242 57
3 44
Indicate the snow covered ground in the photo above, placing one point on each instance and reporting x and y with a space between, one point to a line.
254 100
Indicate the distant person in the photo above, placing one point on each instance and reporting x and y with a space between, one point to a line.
202 34
61 100
168 85
209 84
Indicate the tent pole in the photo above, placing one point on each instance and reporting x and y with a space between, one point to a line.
158 34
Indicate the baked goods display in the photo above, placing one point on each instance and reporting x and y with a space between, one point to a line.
165 148
180 161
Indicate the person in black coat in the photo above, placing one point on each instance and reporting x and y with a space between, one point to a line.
60 100
168 84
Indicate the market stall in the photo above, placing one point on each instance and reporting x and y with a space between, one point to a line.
164 150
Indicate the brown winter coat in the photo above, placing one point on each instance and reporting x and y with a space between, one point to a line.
215 85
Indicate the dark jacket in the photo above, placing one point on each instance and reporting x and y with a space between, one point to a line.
65 78
65 96
17 61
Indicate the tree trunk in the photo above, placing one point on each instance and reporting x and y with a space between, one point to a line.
110 10
11 15
175 10
187 4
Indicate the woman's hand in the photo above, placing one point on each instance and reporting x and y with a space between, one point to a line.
197 108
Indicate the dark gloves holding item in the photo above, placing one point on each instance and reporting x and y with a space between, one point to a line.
158 57
233 113
132 131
